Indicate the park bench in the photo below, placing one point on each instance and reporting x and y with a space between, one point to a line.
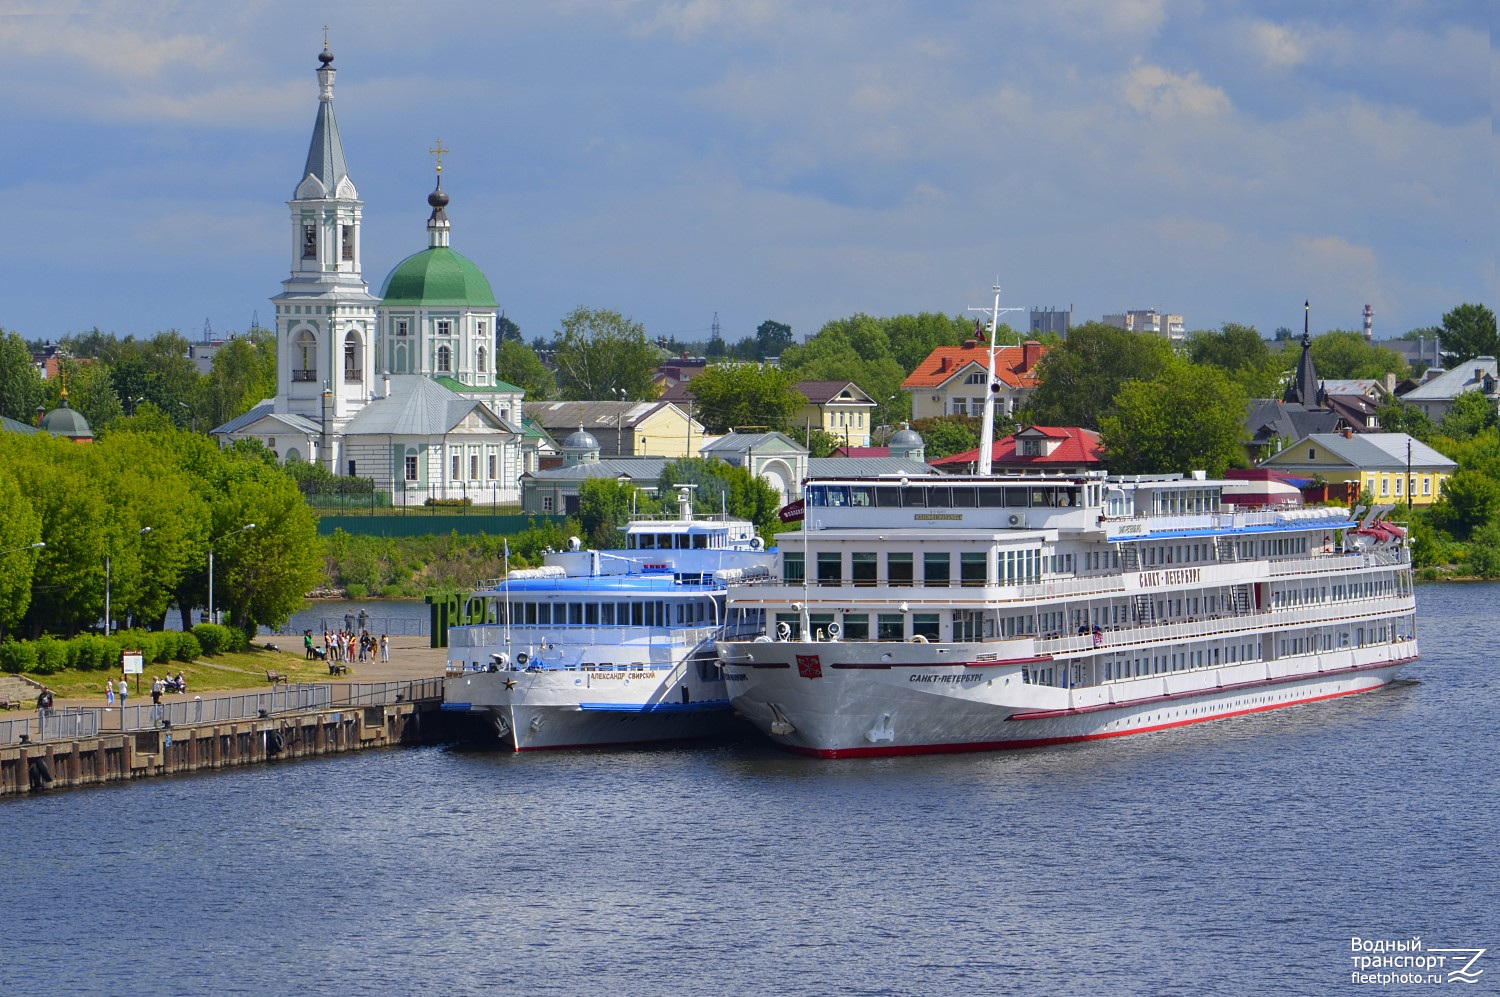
9 704
275 677
337 668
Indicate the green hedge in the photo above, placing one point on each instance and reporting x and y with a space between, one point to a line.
95 653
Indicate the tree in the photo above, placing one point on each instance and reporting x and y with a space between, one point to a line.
22 389
604 507
1471 414
771 339
1395 416
1079 379
241 374
1470 499
1186 418
1238 351
20 526
745 495
1484 551
1343 353
820 442
853 349
1468 332
507 331
745 394
600 352
947 435
518 363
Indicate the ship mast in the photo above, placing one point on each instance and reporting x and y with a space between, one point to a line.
987 427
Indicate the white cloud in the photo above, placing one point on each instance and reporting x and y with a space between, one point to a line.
1158 92
1276 44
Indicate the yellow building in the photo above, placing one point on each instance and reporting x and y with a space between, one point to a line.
1392 467
837 407
623 429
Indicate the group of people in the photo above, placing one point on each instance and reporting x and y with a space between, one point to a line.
346 646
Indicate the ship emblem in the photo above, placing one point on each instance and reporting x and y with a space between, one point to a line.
809 667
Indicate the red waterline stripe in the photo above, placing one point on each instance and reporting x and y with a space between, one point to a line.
1042 742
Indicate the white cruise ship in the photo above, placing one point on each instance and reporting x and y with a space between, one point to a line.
954 614
608 647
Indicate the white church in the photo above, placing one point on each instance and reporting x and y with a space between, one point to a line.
399 388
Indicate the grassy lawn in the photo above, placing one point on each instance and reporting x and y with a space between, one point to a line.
245 670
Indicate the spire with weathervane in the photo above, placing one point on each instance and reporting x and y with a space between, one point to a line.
437 222
1303 389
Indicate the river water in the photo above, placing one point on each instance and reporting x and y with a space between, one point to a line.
1227 858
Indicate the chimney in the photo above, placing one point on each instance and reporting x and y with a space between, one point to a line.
942 365
969 344
1348 433
1031 352
385 385
1390 382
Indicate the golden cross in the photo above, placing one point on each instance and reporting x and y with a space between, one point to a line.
439 152
325 38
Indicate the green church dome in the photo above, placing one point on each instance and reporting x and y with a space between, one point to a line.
437 276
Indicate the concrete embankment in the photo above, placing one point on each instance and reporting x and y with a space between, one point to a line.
319 720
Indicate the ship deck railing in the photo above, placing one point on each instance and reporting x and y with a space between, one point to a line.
1319 614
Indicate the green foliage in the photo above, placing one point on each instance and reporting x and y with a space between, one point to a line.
1471 414
1395 416
771 339
1469 331
1343 353
21 386
820 442
518 363
743 394
948 435
242 373
90 391
17 657
1151 431
20 526
212 638
1080 378
51 655
1484 551
600 352
1238 351
604 506
1471 499
187 647
745 495
88 653
874 353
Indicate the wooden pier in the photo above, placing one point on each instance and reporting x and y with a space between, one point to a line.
198 747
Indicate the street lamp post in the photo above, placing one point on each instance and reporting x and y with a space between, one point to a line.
191 413
107 618
212 618
13 550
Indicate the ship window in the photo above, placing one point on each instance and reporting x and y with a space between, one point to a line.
830 568
937 497
1015 498
545 616
890 626
887 497
816 496
793 625
856 626
838 495
607 614
700 541
972 568
898 568
862 567
819 623
935 568
793 568
637 614
591 614
991 498
925 624
914 498
963 498
860 496
531 613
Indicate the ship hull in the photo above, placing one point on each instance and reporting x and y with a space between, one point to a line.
843 701
533 711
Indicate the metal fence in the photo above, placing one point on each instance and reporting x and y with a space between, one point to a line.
76 722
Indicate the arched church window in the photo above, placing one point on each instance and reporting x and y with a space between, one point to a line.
399 364
479 361
304 356
354 359
347 233
444 359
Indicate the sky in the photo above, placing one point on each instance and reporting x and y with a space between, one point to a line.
795 160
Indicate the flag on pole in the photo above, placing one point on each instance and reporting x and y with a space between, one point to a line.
979 331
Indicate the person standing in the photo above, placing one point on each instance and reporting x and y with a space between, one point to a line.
109 691
385 648
156 687
124 691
